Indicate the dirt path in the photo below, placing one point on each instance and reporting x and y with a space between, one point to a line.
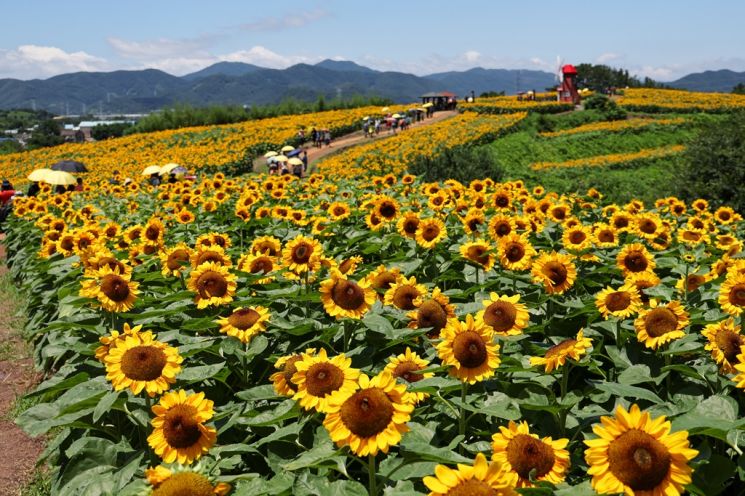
18 452
354 139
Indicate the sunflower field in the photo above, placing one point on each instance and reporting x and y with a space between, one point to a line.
265 335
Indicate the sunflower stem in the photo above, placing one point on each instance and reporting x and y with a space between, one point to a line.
244 362
462 421
148 402
668 381
372 486
564 385
619 335
181 278
347 335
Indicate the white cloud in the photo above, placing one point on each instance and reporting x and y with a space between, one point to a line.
265 57
287 21
608 57
439 63
34 61
472 56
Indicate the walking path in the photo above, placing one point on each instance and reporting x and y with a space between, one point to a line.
354 139
18 452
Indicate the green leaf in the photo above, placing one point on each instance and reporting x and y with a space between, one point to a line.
625 391
192 374
104 405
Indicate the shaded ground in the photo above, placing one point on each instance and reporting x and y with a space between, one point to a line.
18 452
354 139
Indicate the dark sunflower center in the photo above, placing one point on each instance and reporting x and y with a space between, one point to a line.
660 321
383 280
301 253
209 256
577 237
694 281
469 349
514 252
267 248
387 210
348 295
346 265
289 370
502 229
635 261
338 211
737 295
84 243
647 226
212 283
152 233
323 378
408 371
617 301
185 484
111 263
561 348
143 363
621 222
472 487
367 413
502 201
431 314
473 224
430 232
67 243
220 241
729 343
606 236
180 426
555 272
243 318
691 235
725 216
114 287
404 297
526 453
478 254
177 259
500 315
410 226
263 265
638 460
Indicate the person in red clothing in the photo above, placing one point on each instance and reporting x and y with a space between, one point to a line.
6 192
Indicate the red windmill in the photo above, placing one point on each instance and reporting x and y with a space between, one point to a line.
568 88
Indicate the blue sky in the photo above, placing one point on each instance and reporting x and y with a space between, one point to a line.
660 39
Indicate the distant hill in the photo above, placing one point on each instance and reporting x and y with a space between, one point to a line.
247 84
716 81
225 69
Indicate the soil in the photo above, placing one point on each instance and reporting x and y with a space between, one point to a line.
353 139
18 452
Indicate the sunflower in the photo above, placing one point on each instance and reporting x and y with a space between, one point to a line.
213 285
153 232
184 216
408 224
555 271
469 349
505 315
622 302
302 254
179 432
501 225
725 340
691 282
214 254
642 281
282 379
578 238
636 454
557 355
244 323
381 279
515 252
407 366
521 453
732 293
108 341
430 232
259 265
115 292
433 312
386 208
343 297
478 253
183 481
473 221
372 418
319 380
266 245
175 259
661 324
402 293
349 265
605 236
339 211
481 478
137 361
634 258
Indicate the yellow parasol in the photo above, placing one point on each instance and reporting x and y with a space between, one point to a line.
151 169
270 154
287 148
38 175
280 158
295 161
396 116
366 118
168 168
59 178
428 104
385 109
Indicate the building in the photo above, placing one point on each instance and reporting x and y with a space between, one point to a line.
443 100
567 91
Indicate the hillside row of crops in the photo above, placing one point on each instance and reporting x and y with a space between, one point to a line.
267 335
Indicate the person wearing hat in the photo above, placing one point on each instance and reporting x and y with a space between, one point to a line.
6 192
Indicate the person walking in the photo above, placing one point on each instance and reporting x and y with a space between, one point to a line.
327 137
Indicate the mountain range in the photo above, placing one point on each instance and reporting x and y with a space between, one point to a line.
247 84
